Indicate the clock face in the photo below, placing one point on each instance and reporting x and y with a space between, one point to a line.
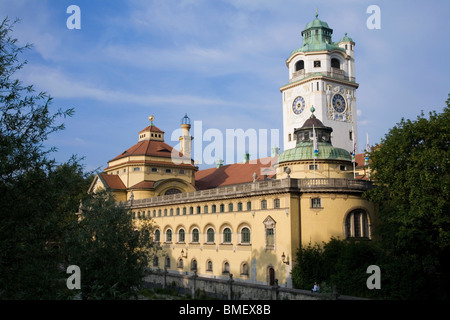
298 105
339 103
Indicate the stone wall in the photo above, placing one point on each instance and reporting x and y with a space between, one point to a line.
229 289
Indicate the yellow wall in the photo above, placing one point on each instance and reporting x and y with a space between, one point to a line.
296 224
329 170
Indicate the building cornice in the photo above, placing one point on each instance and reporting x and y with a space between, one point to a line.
318 76
257 188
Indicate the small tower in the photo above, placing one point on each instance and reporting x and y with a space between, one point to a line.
186 138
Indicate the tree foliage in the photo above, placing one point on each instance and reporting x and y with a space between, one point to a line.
110 250
411 167
411 170
39 231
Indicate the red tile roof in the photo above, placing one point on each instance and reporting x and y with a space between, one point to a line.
152 129
360 160
235 173
149 148
146 184
112 181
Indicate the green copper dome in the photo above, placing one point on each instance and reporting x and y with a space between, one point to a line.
304 147
317 23
304 151
317 37
346 39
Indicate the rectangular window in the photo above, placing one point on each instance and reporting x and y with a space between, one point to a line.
137 169
316 203
264 204
181 171
317 64
276 203
313 167
249 206
168 170
154 169
239 206
270 238
343 168
230 207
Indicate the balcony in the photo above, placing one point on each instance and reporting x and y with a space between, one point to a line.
254 189
335 73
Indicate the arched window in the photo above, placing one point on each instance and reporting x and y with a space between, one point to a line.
209 265
181 235
226 268
169 235
180 263
245 235
167 264
299 65
157 236
172 191
194 265
227 235
195 235
244 269
210 235
335 63
357 224
155 261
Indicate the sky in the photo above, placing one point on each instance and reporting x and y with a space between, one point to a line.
220 61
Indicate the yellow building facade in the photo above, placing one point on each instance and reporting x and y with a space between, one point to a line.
245 219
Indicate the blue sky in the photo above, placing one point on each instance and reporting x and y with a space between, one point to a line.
220 61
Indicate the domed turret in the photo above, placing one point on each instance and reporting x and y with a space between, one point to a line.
327 158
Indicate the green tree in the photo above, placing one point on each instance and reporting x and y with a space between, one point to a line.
38 197
111 251
411 167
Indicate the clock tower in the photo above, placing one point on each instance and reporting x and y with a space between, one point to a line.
321 75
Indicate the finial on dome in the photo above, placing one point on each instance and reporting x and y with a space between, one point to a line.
151 118
317 14
312 110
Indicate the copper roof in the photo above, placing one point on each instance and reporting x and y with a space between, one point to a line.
235 173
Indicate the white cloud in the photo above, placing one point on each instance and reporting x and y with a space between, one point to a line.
60 85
